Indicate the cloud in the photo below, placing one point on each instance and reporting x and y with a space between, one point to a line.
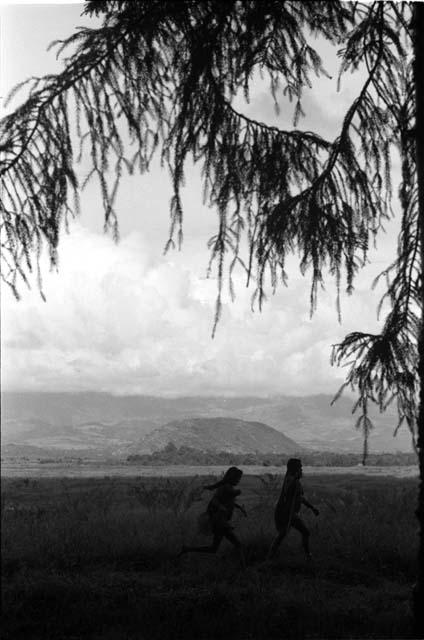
126 319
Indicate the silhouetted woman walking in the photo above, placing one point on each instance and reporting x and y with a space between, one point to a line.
287 509
219 513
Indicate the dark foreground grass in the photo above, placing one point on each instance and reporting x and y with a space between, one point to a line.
97 559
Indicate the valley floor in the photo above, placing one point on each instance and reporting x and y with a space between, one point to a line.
97 558
24 468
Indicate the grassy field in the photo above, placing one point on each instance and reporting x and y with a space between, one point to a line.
96 558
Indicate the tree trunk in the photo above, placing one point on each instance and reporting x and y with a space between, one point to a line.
419 95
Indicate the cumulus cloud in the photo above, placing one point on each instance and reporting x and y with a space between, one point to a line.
126 319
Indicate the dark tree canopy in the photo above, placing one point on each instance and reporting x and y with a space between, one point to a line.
165 74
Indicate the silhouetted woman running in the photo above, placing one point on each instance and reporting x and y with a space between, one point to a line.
219 511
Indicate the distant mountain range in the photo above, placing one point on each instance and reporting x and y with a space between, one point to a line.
101 422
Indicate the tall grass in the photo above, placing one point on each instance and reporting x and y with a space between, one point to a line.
98 558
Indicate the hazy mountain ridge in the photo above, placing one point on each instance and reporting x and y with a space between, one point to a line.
105 421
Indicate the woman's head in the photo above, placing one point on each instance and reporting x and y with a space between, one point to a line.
232 476
294 467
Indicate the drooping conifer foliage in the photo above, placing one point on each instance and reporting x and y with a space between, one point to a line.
164 77
165 74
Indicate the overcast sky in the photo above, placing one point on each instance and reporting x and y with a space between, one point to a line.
125 318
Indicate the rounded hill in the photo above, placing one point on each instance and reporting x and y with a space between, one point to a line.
218 434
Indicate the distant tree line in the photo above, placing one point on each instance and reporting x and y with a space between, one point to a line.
173 455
